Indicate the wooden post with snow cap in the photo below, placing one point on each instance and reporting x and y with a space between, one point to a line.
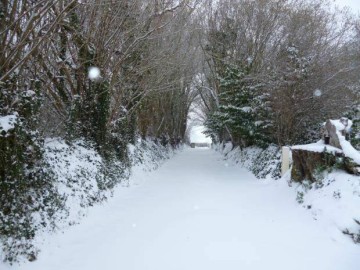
285 159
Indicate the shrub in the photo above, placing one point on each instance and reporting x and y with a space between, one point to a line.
29 199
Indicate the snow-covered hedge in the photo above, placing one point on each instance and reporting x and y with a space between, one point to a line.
263 163
149 155
81 173
81 179
29 200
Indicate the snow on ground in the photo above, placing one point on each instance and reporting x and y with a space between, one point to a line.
7 122
348 149
77 168
333 199
81 174
198 212
318 147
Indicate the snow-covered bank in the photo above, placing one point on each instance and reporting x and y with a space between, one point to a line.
334 198
82 173
198 212
82 179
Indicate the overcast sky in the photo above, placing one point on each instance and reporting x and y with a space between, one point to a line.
353 4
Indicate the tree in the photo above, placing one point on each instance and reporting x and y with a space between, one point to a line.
300 68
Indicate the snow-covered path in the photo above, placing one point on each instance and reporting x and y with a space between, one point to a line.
197 213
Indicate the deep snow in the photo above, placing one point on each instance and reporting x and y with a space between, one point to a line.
198 212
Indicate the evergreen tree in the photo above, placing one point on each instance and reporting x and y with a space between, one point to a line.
241 109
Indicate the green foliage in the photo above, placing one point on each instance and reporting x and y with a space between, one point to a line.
113 172
267 162
28 197
354 115
319 176
90 114
354 235
90 118
329 163
300 197
122 132
242 110
263 163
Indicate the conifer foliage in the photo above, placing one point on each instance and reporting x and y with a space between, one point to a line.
240 109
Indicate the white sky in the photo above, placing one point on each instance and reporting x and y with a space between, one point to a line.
353 4
197 136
